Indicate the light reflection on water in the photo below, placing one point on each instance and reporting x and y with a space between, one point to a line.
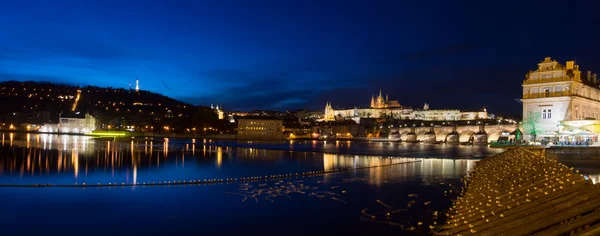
64 159
44 158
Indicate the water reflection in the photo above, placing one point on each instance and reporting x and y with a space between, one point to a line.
219 157
417 167
47 158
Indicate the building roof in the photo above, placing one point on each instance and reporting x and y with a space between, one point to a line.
70 114
258 118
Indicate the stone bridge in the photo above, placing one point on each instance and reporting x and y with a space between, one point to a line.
463 133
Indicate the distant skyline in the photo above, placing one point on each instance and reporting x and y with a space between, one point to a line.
299 54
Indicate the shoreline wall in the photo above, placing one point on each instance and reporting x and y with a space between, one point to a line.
573 153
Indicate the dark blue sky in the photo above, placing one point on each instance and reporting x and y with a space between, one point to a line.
299 54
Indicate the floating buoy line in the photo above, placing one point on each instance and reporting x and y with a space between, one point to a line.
204 181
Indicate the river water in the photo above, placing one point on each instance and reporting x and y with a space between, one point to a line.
402 198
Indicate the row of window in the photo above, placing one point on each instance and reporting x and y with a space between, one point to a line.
547 89
548 76
258 128
259 133
586 92
263 123
586 113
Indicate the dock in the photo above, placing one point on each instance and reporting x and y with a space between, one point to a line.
520 192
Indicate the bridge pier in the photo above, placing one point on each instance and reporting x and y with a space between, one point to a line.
411 136
481 136
452 137
430 136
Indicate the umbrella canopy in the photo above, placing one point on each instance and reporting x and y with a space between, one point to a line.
548 134
565 133
583 133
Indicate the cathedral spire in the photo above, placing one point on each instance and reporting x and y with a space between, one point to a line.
380 93
372 100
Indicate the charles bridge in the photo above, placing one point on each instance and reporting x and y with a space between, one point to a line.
454 134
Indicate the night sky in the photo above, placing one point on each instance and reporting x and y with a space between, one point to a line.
299 54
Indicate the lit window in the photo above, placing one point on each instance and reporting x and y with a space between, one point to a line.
546 114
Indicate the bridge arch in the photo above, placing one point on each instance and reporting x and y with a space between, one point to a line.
465 135
421 133
442 132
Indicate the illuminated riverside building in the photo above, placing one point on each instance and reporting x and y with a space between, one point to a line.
561 102
72 122
260 127
381 107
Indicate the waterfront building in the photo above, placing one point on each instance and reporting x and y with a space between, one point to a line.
338 129
260 127
383 107
560 103
72 122
448 114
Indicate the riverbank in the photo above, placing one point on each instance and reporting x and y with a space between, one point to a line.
574 153
550 199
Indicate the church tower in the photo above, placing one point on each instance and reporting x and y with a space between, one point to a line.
137 85
380 101
329 113
372 101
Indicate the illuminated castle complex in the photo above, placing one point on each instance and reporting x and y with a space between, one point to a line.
383 107
381 103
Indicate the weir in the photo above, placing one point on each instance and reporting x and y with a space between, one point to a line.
206 181
519 192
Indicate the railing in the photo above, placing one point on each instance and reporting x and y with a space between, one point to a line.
547 80
548 94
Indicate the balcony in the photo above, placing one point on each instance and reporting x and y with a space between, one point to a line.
547 80
548 94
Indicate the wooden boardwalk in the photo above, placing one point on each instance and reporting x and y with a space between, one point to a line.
519 192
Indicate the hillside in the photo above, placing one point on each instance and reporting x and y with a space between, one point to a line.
41 102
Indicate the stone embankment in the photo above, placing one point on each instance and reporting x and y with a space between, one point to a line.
519 192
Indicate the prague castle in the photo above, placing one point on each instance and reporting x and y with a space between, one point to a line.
560 103
383 107
380 103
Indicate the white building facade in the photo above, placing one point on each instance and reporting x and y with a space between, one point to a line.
397 111
83 124
556 95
